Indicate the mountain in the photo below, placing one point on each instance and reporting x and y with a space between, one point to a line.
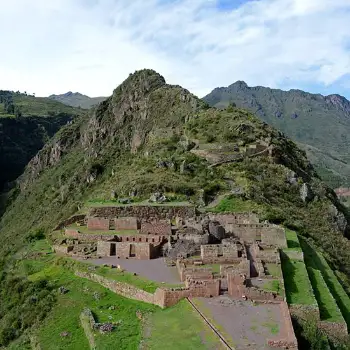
319 124
149 137
26 124
77 100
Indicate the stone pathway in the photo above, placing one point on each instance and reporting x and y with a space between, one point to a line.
247 324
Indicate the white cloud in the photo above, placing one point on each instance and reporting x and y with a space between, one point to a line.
92 45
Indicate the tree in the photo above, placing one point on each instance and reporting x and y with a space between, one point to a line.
18 113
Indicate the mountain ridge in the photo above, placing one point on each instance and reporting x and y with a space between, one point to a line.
151 137
322 122
76 99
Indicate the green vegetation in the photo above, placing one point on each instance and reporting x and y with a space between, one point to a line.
30 124
296 281
319 268
178 327
273 286
107 307
328 307
273 327
314 121
144 145
274 269
292 240
233 204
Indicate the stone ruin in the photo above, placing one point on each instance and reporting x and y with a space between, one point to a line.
214 253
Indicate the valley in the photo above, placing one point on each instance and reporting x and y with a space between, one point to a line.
225 206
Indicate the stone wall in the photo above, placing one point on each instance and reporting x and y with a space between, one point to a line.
274 235
87 237
195 237
141 251
211 251
195 273
145 212
160 227
267 254
287 339
124 289
304 311
103 248
126 223
72 220
98 223
62 249
335 330
163 297
236 218
169 297
268 234
242 267
238 289
142 239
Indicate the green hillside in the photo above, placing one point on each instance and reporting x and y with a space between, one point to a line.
26 124
147 137
320 124
77 100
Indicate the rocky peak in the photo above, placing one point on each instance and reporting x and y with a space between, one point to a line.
240 84
340 102
140 84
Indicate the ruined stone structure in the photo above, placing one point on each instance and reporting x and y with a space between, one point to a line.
228 254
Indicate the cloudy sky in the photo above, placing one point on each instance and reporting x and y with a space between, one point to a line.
91 46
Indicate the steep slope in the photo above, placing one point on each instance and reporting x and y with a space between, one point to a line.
150 136
25 126
320 124
77 99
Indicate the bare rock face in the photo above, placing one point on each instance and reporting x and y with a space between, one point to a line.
338 218
306 193
216 230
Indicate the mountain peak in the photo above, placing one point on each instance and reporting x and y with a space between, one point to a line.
241 84
140 83
340 102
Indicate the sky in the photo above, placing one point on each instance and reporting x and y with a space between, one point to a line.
91 46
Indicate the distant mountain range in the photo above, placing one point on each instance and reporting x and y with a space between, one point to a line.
76 99
319 124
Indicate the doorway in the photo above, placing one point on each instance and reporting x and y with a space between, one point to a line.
113 249
132 253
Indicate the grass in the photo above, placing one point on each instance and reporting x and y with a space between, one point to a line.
316 262
273 286
292 239
273 327
208 314
214 267
179 327
234 204
83 293
274 269
328 307
296 281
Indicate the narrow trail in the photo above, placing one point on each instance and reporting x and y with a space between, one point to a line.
218 334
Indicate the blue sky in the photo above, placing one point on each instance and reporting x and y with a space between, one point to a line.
91 46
